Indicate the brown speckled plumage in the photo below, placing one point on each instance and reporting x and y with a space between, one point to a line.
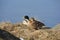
36 24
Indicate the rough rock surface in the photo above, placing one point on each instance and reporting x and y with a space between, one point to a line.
27 33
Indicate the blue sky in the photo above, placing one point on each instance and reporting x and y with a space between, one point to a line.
47 11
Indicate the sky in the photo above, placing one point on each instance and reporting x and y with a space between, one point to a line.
46 11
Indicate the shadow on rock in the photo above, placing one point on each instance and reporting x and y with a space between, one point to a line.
7 36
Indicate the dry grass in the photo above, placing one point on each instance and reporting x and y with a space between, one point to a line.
28 33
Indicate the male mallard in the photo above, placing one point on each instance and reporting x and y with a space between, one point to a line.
26 20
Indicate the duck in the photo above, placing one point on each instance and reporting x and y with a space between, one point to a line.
26 20
33 23
36 24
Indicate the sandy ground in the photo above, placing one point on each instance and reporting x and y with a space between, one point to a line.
28 33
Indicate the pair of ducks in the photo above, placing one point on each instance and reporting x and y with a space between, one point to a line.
32 22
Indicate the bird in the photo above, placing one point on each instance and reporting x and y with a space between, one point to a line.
36 24
26 20
33 23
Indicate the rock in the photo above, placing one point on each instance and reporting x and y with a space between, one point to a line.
7 36
56 27
22 31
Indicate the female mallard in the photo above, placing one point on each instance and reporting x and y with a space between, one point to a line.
36 24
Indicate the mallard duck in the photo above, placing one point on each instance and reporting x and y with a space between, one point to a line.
26 20
36 24
33 23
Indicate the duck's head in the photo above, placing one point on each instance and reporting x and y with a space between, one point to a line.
26 17
32 19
